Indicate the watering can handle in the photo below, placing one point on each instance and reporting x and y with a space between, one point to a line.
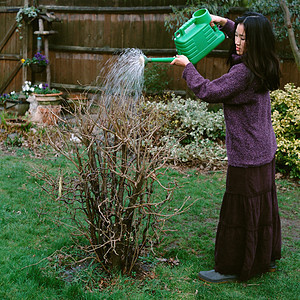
215 28
186 25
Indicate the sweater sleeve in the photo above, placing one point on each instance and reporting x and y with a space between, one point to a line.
226 89
228 29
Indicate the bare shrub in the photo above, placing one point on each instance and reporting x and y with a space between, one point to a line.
110 194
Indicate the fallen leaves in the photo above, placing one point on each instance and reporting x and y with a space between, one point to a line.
171 261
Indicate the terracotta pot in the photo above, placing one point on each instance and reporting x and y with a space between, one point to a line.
47 114
48 109
48 99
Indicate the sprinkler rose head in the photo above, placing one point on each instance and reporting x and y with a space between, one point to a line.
143 60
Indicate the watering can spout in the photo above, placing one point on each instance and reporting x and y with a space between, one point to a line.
144 60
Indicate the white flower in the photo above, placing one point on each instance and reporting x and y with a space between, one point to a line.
40 85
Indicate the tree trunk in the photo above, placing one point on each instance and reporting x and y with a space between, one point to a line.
291 34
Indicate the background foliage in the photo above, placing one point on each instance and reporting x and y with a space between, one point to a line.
180 16
286 123
273 9
156 78
191 132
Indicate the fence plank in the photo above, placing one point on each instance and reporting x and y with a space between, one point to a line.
8 35
9 79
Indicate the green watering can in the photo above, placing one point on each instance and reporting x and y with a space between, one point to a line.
194 39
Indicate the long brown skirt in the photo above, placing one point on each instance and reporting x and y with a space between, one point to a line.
249 233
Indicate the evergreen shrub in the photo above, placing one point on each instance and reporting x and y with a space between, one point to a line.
286 123
156 78
192 132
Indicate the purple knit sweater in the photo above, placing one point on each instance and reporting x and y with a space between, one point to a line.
250 138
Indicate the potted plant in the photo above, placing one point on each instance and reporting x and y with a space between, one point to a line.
48 104
27 88
47 96
26 14
3 99
37 64
15 102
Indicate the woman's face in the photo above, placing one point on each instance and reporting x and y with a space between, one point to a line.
240 39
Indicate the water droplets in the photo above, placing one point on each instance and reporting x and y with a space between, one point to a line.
124 80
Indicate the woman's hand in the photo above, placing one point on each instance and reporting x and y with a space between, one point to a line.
216 20
180 60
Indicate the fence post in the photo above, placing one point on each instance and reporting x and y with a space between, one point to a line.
25 52
25 42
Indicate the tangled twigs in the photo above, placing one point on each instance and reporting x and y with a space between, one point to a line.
108 192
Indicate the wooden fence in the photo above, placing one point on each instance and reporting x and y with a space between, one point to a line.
89 34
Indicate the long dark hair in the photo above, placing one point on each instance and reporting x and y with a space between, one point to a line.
259 55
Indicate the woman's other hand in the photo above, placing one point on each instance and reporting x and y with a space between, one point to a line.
216 20
180 60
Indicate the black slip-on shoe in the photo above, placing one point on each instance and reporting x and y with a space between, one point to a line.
214 277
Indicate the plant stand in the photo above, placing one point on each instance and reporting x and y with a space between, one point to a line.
45 34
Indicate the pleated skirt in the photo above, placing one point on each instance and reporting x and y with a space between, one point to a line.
249 232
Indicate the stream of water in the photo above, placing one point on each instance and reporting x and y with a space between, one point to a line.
123 83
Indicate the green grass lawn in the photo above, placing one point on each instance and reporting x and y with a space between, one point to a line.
34 249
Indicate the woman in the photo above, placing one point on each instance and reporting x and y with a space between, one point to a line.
248 239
